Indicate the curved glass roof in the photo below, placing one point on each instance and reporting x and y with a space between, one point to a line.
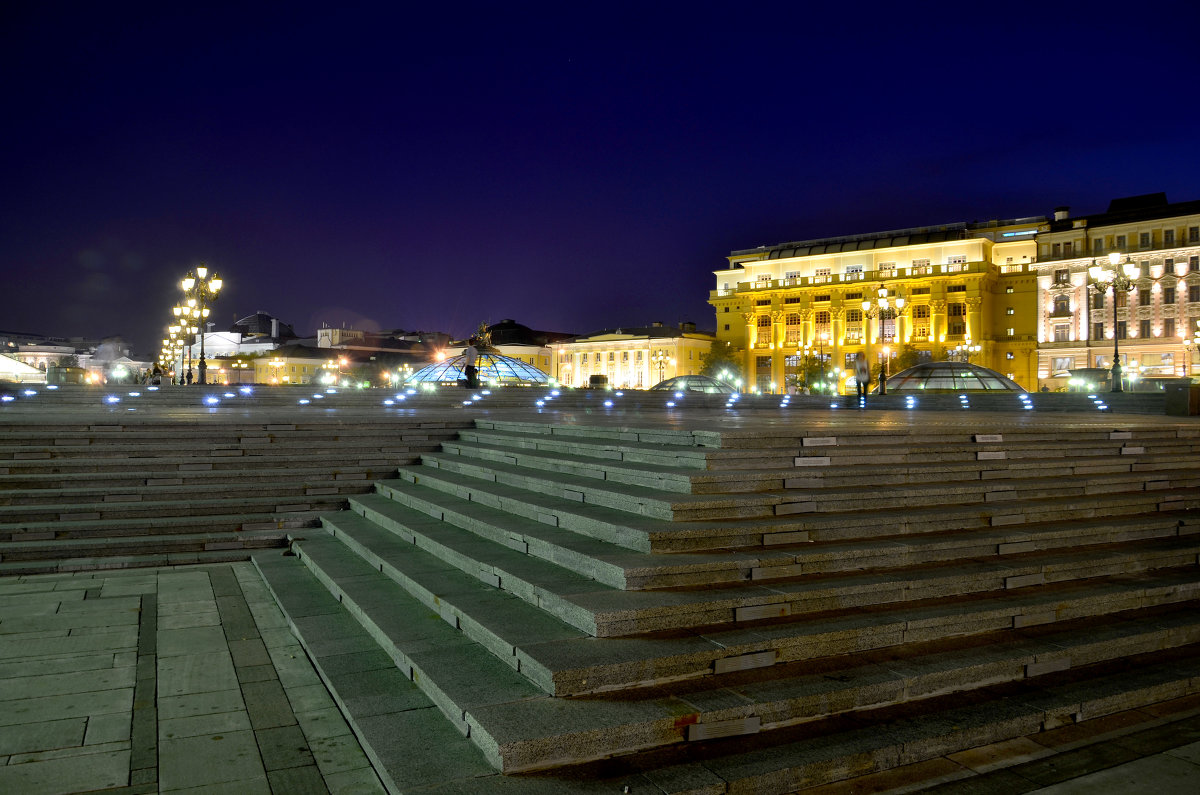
494 368
950 377
693 383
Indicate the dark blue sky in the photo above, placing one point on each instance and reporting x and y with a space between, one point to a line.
572 166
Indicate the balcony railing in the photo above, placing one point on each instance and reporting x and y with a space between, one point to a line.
890 274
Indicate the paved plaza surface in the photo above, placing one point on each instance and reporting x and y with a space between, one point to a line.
187 678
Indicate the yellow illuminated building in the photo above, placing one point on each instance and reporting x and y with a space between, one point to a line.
958 290
631 358
291 364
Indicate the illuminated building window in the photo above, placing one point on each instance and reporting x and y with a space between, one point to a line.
1122 300
956 310
764 321
795 299
920 263
1010 311
1062 333
1120 244
1144 240
1144 329
1122 330
820 297
1168 327
1168 295
1168 237
957 288
1144 296
921 311
919 291
957 329
1098 301
1097 331
822 322
1062 363
1194 234
1098 246
1010 356
1193 264
957 259
854 316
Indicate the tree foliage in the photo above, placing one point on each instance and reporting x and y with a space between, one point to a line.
722 357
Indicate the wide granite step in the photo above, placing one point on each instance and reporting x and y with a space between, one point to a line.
415 513
1085 579
161 525
344 458
14 517
788 523
47 552
780 450
1103 470
132 477
519 728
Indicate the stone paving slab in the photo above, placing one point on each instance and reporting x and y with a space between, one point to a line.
150 701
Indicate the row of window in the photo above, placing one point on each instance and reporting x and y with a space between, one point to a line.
1062 331
612 355
1145 240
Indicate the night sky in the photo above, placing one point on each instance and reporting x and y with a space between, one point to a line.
571 166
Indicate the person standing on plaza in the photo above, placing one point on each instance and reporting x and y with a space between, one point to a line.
470 357
862 374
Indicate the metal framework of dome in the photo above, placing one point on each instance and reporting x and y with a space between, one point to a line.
494 368
950 377
694 383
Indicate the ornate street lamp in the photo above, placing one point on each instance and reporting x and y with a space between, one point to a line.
661 359
883 310
199 285
1105 275
965 350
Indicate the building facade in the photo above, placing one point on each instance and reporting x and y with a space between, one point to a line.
1154 323
966 290
632 358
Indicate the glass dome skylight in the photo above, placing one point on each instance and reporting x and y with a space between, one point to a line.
950 377
494 368
694 383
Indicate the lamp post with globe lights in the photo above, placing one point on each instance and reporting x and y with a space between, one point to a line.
200 285
883 309
966 349
1117 276
661 358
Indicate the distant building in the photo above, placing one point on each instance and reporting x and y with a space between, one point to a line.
1156 322
631 358
520 342
290 364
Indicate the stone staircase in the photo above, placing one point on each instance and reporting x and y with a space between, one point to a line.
752 610
122 491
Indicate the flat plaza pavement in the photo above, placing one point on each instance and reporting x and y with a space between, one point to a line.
187 679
